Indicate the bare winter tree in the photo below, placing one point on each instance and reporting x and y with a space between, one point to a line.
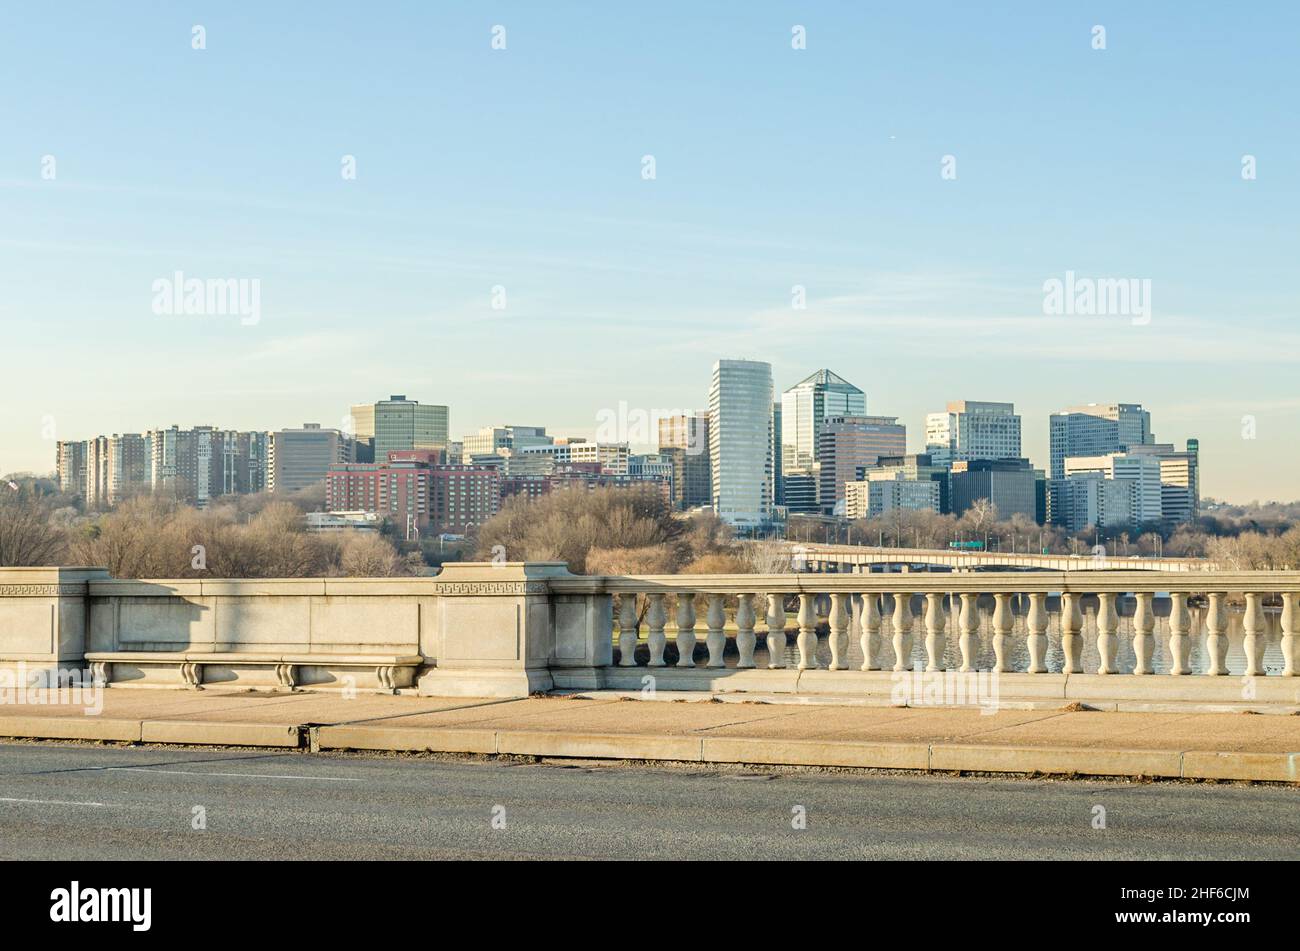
27 536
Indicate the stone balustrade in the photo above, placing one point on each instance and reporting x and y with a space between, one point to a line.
1088 636
1217 638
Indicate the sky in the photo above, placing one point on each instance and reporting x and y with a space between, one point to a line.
919 170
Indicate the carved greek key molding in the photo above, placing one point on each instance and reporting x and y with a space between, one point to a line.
39 590
492 587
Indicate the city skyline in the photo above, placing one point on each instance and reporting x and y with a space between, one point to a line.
642 429
504 251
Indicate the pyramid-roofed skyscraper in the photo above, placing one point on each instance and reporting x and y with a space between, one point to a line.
804 409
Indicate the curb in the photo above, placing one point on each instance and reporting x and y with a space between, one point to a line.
917 757
914 757
71 728
203 733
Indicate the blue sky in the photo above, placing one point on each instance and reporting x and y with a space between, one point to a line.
774 167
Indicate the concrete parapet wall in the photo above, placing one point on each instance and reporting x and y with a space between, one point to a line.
511 629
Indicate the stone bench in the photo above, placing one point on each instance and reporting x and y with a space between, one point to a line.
381 673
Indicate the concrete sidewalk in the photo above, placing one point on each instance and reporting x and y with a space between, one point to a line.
1168 745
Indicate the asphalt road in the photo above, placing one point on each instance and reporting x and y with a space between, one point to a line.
68 802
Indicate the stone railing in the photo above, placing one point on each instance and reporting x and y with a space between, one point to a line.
514 629
1087 636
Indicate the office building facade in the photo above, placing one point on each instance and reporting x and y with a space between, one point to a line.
848 444
804 409
875 497
298 458
740 441
968 430
1014 486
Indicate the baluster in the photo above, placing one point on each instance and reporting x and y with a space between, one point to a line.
1290 617
1071 640
839 624
1216 639
686 629
869 626
627 629
822 608
969 621
1253 625
1003 620
775 631
656 617
1144 623
716 639
1107 625
902 630
934 622
745 639
1036 625
1180 621
807 639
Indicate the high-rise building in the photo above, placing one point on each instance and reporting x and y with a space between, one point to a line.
70 460
1180 484
491 439
917 468
778 472
800 492
1096 429
128 465
1140 471
1091 499
397 424
1079 434
96 491
740 441
180 463
846 445
298 458
691 482
193 465
1132 421
363 431
684 442
804 409
1012 485
688 432
872 498
970 430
